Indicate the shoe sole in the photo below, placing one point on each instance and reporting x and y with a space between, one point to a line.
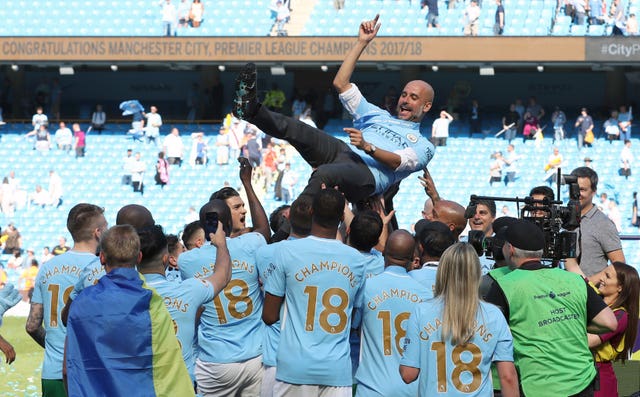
245 89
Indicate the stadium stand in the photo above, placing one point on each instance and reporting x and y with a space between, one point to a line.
97 178
253 18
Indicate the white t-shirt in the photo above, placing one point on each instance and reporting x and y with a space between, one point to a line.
441 128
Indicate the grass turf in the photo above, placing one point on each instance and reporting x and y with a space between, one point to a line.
22 378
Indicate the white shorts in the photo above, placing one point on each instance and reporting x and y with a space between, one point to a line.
229 379
268 381
282 389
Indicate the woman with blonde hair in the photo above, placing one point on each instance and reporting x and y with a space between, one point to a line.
453 339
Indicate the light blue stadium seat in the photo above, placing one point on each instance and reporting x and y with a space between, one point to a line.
578 30
596 30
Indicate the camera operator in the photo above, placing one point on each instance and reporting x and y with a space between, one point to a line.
540 193
549 311
598 238
500 267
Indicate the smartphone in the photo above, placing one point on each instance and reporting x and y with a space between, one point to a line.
210 224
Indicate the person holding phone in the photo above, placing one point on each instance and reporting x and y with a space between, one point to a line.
230 332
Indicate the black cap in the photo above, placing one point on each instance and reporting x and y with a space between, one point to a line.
500 225
524 235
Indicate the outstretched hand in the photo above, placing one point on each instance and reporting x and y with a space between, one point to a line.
9 297
369 29
429 186
245 170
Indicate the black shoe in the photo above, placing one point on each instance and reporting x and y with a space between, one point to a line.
245 102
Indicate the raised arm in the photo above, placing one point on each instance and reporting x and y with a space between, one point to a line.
367 31
258 216
222 275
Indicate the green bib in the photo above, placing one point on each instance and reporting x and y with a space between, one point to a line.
547 317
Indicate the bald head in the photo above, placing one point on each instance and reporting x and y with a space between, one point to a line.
399 249
135 215
415 101
451 214
427 211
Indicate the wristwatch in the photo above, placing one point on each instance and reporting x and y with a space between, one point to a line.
372 149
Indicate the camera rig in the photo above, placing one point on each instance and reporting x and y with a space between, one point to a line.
556 221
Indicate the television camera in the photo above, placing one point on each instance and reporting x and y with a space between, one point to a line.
556 221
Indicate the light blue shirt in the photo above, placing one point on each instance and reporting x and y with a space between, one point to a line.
426 276
53 286
463 370
272 332
231 325
319 279
374 265
386 303
89 276
183 299
389 133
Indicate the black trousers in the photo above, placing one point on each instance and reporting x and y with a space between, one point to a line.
333 161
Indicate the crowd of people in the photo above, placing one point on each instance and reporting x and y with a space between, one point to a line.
180 14
325 294
581 12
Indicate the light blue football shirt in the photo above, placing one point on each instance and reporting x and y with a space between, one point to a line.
449 370
183 299
386 303
54 283
374 265
231 325
272 332
319 279
89 276
427 277
389 133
